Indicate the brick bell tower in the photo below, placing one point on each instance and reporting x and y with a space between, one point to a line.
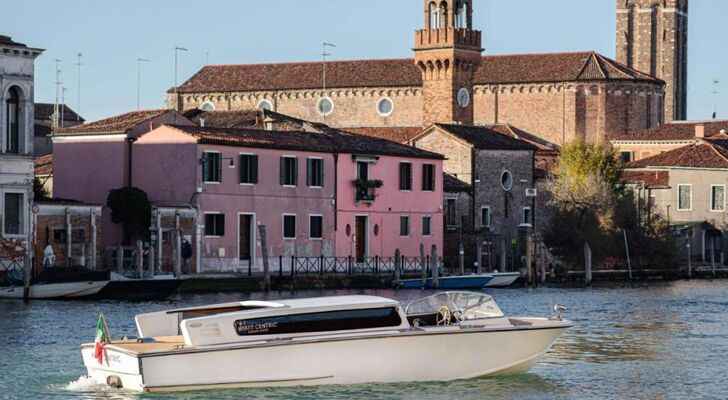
447 52
652 37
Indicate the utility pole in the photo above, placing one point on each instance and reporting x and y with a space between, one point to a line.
63 107
56 110
78 89
324 54
139 80
177 49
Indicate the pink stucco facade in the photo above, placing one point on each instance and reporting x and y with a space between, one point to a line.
167 166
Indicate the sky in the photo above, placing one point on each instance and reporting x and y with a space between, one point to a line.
112 35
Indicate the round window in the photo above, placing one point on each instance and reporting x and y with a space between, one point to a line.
463 97
385 106
325 106
506 181
207 106
265 105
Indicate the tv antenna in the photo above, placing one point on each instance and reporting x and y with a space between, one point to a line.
78 89
56 110
139 80
715 93
325 54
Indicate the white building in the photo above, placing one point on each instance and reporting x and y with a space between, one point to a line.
17 64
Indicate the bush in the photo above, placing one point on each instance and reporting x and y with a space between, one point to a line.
131 208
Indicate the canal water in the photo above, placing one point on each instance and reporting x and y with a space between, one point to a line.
657 341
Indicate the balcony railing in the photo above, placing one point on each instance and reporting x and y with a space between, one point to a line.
366 189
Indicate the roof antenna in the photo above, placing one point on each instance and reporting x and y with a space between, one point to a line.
715 97
324 55
56 107
78 90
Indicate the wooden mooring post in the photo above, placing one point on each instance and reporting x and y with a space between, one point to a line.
529 258
690 262
479 257
264 250
139 259
712 256
150 261
461 259
626 250
423 265
120 260
435 268
542 263
588 263
397 266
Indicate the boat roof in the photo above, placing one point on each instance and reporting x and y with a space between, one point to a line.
346 302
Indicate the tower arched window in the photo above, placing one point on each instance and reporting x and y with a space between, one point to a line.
13 125
434 16
461 16
443 16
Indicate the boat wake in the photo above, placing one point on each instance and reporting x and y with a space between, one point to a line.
86 384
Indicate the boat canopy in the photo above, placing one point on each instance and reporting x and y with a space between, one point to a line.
471 305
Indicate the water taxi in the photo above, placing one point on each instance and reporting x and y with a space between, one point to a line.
322 341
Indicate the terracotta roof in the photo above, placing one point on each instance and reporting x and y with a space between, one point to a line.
485 138
45 111
706 153
325 142
519 68
677 130
226 119
516 133
44 165
117 124
451 184
651 179
398 134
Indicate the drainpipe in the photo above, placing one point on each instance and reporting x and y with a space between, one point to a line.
336 192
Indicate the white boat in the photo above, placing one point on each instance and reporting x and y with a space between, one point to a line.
322 341
502 279
66 290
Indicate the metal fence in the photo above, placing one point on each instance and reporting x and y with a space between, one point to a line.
12 271
355 266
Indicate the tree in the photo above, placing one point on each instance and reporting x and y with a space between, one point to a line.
40 193
130 207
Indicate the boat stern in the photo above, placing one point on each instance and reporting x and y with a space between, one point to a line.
118 369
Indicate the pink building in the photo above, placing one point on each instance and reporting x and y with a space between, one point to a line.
325 193
91 159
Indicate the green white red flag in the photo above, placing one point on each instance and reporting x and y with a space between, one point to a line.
102 338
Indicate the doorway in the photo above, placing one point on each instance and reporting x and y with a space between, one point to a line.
361 238
246 238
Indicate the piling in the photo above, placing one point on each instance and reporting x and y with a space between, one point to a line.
120 260
712 256
69 238
264 249
690 263
423 265
529 258
435 268
92 247
397 266
178 245
588 263
461 259
626 250
139 259
542 263
150 261
82 256
479 257
503 255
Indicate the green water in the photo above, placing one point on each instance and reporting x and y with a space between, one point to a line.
663 341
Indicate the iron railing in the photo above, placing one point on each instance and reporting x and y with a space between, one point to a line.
354 265
12 271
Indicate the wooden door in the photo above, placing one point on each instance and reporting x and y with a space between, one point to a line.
361 238
244 245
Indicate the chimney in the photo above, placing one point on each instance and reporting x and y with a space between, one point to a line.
700 131
202 122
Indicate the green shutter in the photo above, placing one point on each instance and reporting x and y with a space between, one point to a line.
295 171
321 177
283 171
204 167
254 169
219 168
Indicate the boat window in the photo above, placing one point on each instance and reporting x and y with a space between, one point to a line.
207 312
320 322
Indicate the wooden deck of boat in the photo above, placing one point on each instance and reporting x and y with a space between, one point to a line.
161 343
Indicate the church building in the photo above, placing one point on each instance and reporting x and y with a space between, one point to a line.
558 97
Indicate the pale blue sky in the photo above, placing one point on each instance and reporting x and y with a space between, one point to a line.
113 34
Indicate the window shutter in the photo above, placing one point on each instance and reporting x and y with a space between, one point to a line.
221 229
424 177
309 172
409 177
219 168
204 167
254 169
295 171
321 173
283 171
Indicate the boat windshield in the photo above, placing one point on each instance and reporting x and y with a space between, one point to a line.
470 305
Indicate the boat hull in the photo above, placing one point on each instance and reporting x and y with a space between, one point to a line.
449 282
139 289
67 290
439 354
503 279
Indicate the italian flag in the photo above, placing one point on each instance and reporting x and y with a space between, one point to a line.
101 338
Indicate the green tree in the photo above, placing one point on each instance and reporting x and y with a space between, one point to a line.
40 193
130 207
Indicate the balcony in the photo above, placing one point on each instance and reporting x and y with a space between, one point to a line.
366 189
434 38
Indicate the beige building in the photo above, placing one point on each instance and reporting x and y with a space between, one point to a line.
663 138
687 186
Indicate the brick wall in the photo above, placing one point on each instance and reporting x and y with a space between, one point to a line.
51 229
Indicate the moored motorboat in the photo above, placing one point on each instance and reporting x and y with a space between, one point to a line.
331 340
502 279
65 290
475 281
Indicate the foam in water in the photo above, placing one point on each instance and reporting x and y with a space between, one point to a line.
85 384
